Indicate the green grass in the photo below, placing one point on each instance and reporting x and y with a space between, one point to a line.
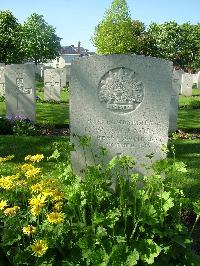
64 95
196 92
48 113
2 109
190 101
189 119
188 151
21 146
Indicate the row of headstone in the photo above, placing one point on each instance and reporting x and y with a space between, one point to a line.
17 84
126 103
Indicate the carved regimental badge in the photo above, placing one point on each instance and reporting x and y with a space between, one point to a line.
20 87
120 91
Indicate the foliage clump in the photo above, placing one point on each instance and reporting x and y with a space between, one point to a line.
114 34
34 40
87 220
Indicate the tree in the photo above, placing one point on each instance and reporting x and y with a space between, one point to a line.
115 33
178 43
10 39
40 41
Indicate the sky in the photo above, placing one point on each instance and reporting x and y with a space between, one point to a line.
75 20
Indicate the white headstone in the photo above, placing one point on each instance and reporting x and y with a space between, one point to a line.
198 80
186 85
20 91
195 78
176 85
63 76
52 84
122 102
68 73
2 81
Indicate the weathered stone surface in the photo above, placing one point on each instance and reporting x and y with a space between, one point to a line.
2 81
173 114
52 84
20 91
68 73
63 76
198 80
195 78
122 102
186 86
179 73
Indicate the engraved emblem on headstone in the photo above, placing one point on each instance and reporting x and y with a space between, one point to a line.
120 91
20 87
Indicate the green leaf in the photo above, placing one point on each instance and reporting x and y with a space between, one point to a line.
132 258
150 250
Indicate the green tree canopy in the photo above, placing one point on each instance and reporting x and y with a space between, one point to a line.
40 41
178 43
10 38
115 34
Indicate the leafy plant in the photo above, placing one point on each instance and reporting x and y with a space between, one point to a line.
22 126
109 216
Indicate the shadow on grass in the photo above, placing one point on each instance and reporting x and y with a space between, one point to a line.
188 151
188 118
21 146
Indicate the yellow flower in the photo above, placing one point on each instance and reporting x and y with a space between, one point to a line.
8 158
55 217
34 158
57 206
25 167
57 195
3 204
33 172
29 230
47 193
36 204
6 183
39 248
36 188
11 211
21 183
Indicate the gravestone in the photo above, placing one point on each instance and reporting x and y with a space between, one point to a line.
63 77
173 114
195 78
2 81
198 80
68 73
122 102
20 91
179 73
186 85
52 84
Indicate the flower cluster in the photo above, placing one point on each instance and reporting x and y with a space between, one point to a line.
8 158
32 199
34 158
